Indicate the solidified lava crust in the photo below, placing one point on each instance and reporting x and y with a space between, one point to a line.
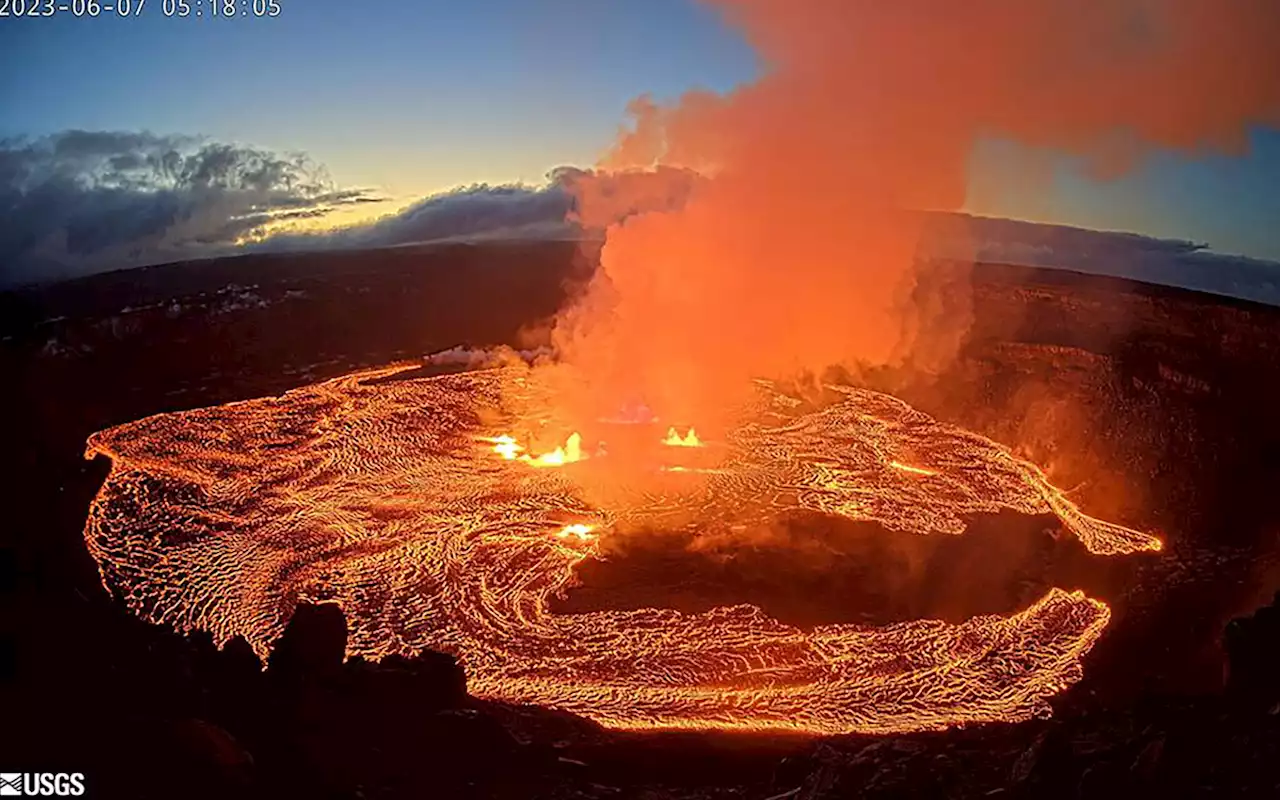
387 497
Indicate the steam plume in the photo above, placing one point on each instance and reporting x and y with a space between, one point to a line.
797 252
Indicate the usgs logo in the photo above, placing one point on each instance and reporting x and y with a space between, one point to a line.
41 784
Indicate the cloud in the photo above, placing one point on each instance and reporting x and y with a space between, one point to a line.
571 204
1169 262
84 201
471 212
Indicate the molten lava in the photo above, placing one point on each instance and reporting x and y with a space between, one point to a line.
674 439
909 468
506 446
399 501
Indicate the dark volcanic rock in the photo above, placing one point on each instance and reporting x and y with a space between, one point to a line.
211 758
426 683
1253 658
314 643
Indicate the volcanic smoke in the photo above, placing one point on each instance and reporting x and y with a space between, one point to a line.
798 250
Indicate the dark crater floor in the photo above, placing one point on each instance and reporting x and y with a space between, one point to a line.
818 570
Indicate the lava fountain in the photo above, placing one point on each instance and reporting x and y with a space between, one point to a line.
411 504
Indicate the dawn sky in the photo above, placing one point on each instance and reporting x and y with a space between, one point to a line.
412 98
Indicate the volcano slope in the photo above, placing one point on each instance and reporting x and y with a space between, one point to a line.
1150 405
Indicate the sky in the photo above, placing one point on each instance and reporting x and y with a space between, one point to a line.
412 98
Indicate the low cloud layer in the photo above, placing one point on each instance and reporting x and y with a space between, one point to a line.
81 202
78 202
1169 262
572 203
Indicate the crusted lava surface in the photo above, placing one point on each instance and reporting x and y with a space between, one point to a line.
389 498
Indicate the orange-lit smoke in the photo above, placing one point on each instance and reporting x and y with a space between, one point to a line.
795 252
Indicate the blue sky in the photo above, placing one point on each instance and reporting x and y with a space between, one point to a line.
416 97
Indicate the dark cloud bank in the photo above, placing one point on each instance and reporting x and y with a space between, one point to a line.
80 202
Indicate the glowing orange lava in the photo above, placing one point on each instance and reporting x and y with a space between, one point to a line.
431 529
908 468
673 439
507 447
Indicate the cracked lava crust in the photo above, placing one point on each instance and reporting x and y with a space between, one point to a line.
410 503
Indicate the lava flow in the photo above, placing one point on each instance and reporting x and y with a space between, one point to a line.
674 439
507 447
432 527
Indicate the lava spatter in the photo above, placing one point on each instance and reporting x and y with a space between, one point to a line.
402 502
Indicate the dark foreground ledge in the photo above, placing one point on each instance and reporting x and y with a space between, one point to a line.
212 724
